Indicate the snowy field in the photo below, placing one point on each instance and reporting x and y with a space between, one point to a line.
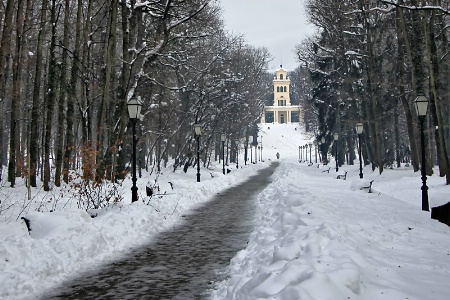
318 237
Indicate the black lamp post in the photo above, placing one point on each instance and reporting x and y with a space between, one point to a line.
315 151
198 133
310 150
359 131
251 154
322 141
421 104
236 142
245 152
134 106
299 153
306 152
256 151
336 138
259 150
223 137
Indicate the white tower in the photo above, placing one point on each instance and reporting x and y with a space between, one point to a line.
281 108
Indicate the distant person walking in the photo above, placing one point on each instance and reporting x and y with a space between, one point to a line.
278 155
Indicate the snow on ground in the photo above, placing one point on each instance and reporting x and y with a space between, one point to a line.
324 238
317 237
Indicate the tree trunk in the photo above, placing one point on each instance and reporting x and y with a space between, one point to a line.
36 106
435 109
103 127
403 43
129 35
88 163
414 51
4 54
50 98
374 98
62 97
14 143
71 94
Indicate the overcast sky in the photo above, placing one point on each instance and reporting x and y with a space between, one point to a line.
261 23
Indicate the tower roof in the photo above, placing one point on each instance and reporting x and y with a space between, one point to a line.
281 68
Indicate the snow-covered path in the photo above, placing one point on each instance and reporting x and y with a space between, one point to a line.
323 238
180 263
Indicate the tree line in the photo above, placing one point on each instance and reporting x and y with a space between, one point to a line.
368 62
68 68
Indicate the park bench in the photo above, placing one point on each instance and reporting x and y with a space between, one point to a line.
441 213
342 176
369 187
326 170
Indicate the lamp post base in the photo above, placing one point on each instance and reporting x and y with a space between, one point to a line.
134 189
424 188
425 204
134 196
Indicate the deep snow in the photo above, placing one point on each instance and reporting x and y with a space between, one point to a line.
317 237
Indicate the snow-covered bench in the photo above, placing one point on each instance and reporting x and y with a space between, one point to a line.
326 170
342 176
367 186
361 184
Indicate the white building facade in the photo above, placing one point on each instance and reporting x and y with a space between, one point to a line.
281 111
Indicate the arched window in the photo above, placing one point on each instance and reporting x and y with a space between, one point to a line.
278 88
281 76
285 89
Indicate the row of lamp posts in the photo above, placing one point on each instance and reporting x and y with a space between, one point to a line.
421 105
223 137
134 106
305 147
304 156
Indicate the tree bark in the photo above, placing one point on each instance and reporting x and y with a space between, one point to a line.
403 43
50 98
14 143
4 56
435 99
103 127
88 163
62 98
71 94
374 97
36 106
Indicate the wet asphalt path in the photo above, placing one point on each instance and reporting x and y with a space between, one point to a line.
182 263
